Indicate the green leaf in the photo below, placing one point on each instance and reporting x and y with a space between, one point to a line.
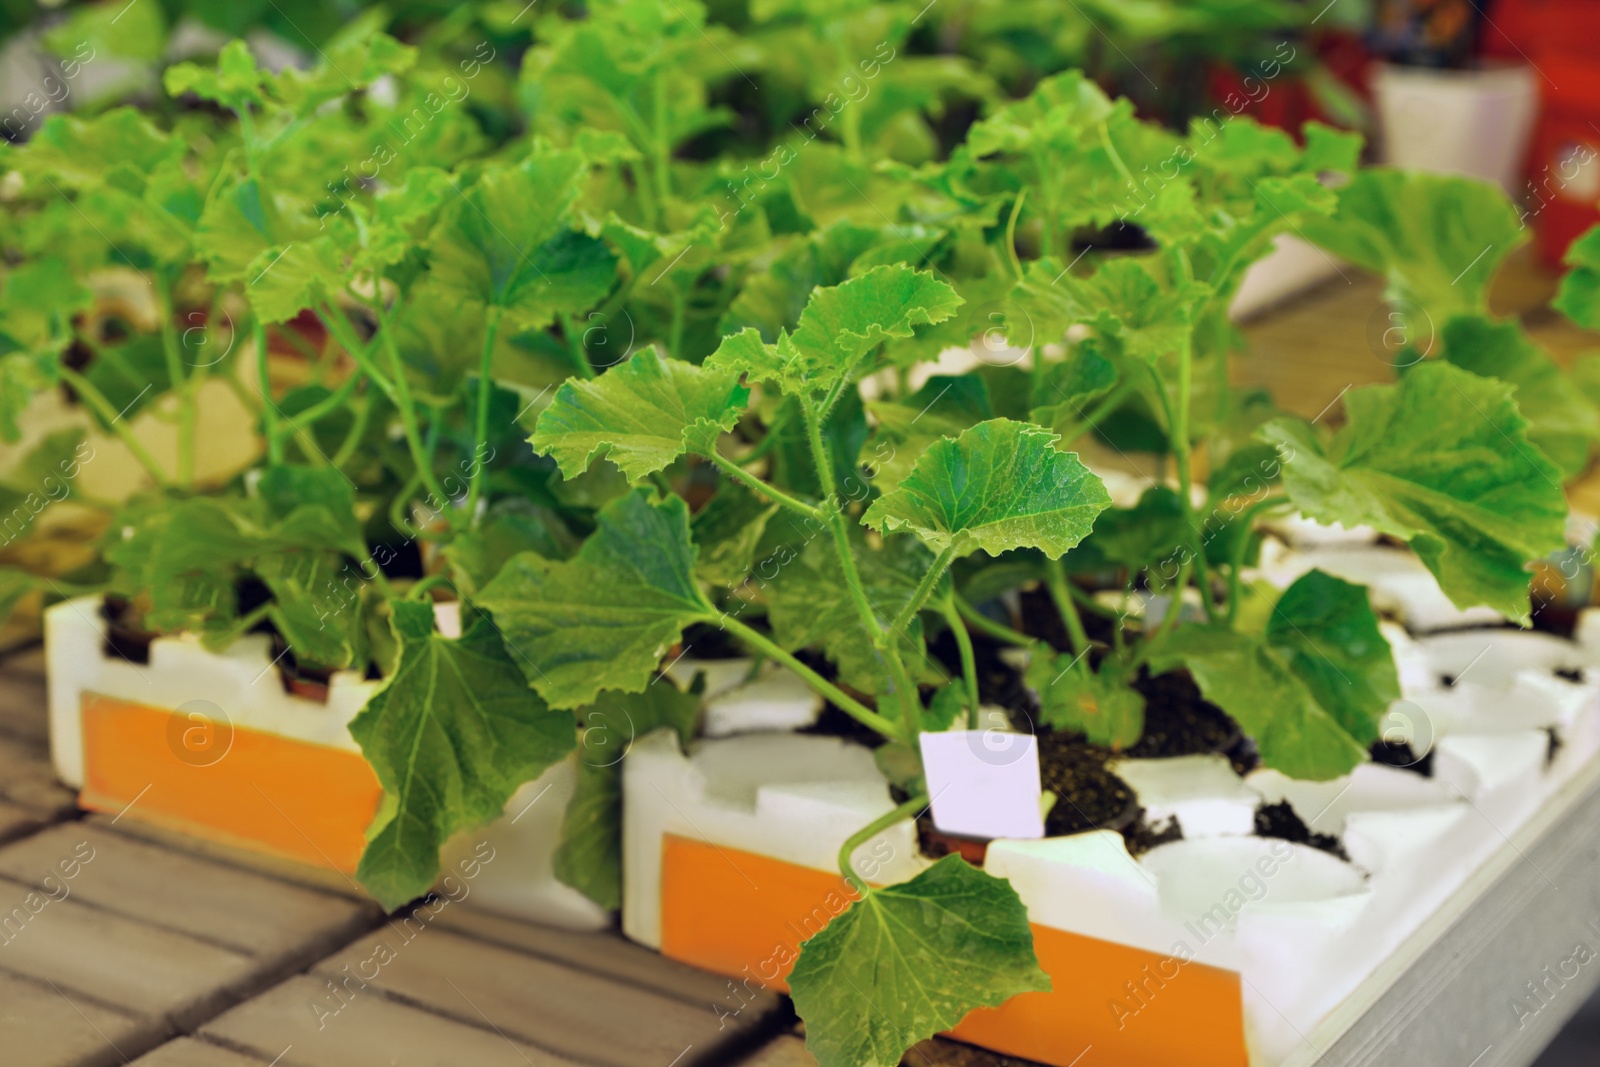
452 735
1442 461
809 604
1438 239
1326 631
727 531
1139 537
909 961
840 325
943 407
1251 680
236 82
589 856
1563 423
603 619
514 525
1124 301
1097 704
641 415
509 241
1000 485
1579 296
1072 386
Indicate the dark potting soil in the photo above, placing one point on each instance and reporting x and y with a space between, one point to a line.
123 639
1280 820
1142 836
1088 795
1179 722
1399 754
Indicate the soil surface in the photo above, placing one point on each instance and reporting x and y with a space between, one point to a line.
1399 754
1280 820
1088 796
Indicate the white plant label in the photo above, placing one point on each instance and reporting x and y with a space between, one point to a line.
984 783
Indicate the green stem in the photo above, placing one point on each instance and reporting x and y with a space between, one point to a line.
326 406
910 809
924 589
969 662
113 419
188 406
844 701
246 624
269 408
771 492
1242 545
424 585
910 701
996 630
358 430
662 145
339 328
1055 581
480 427
401 393
1174 608
1011 235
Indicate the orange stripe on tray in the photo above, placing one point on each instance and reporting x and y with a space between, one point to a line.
237 786
745 915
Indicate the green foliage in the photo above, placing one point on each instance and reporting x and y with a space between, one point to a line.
998 486
863 982
452 735
1443 462
708 258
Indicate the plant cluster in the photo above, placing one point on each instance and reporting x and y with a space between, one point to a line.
710 297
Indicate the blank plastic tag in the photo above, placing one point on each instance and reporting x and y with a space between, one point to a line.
984 783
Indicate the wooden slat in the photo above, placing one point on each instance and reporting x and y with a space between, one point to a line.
187 1052
608 954
45 1027
570 1012
370 1031
284 926
152 973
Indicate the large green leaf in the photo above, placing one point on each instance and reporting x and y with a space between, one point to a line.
641 415
589 856
509 242
840 326
1325 629
1250 679
908 961
452 735
1000 485
1563 422
603 619
1438 239
1442 461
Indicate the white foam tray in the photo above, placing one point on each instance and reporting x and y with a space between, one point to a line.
1312 938
242 684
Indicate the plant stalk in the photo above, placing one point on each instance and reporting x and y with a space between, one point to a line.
844 701
969 662
910 809
480 428
97 400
